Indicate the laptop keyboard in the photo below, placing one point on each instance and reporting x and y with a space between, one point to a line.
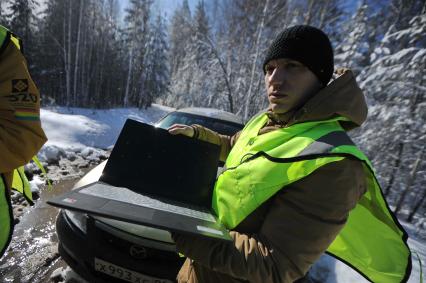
128 196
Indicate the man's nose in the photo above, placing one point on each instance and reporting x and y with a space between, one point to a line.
277 76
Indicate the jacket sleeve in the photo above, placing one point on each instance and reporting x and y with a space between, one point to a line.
301 222
225 142
21 135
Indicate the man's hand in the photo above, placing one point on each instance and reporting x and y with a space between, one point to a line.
179 129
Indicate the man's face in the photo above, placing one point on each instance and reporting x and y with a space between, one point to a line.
289 84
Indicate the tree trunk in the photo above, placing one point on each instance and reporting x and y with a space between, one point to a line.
417 206
83 78
101 69
90 68
129 76
308 16
324 10
254 64
77 52
394 169
68 56
410 181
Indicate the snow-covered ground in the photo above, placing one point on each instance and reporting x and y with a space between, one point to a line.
77 135
80 128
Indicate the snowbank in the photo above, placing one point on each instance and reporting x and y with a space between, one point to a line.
71 128
78 138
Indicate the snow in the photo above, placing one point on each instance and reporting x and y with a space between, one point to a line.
66 274
80 137
78 128
401 55
213 113
35 183
85 133
420 55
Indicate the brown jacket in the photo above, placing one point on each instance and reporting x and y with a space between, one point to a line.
21 135
282 238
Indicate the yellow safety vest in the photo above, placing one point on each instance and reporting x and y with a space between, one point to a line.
19 182
6 216
6 36
258 166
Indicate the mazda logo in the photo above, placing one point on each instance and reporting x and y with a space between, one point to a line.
138 252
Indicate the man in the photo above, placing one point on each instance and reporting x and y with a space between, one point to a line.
295 185
21 135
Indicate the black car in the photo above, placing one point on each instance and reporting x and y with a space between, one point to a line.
107 250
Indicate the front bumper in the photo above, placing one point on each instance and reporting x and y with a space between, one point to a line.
79 250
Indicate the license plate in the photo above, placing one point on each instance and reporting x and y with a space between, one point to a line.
125 274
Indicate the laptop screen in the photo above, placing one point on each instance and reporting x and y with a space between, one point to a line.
149 160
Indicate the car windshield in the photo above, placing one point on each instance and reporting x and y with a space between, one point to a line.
219 126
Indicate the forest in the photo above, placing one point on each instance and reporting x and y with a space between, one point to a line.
85 53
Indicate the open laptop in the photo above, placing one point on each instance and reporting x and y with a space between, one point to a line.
155 179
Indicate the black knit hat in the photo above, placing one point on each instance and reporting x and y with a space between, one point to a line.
307 45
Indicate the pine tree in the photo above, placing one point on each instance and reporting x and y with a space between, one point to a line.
201 30
21 23
78 56
395 85
3 19
156 74
136 31
50 55
180 33
353 51
198 60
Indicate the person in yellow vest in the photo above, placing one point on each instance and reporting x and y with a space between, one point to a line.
295 185
21 134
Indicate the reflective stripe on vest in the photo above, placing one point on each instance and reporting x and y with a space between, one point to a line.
258 166
43 171
6 217
6 36
20 183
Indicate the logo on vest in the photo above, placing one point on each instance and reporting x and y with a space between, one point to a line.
20 85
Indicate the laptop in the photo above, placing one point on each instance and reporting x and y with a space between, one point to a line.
155 179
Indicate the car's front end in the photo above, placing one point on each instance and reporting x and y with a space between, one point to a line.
107 250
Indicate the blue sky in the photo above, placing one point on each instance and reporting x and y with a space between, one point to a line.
165 6
169 6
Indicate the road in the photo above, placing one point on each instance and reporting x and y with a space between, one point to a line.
32 255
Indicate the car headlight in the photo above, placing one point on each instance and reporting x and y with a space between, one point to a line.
78 219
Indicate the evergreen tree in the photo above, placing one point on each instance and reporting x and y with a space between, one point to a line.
136 31
21 22
156 74
50 55
201 30
395 85
353 51
3 19
180 34
198 59
78 56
